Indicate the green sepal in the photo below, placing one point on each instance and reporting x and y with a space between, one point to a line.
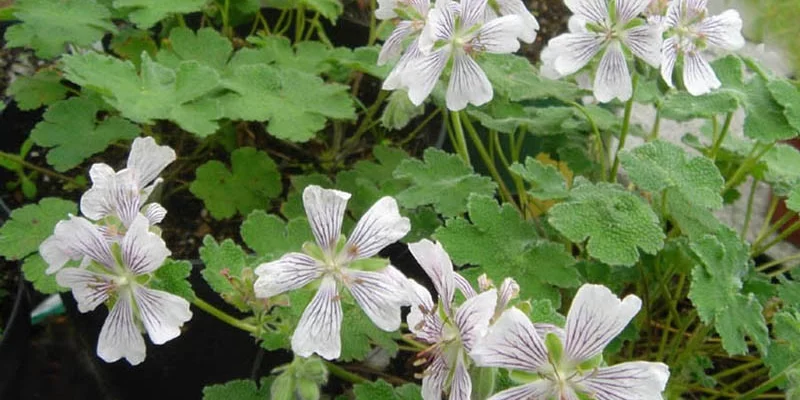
522 377
483 382
591 363
555 349
370 264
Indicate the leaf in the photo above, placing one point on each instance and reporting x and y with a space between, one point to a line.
330 9
786 94
296 104
239 389
130 43
546 181
784 351
789 291
783 168
48 26
381 389
217 257
507 117
793 202
251 183
41 89
615 221
34 268
71 131
310 57
359 334
146 13
682 106
399 111
172 277
442 180
30 225
716 292
501 242
206 46
270 237
515 78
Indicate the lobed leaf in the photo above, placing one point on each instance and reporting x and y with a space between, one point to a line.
381 389
218 257
546 181
172 277
239 389
30 225
146 13
41 89
270 237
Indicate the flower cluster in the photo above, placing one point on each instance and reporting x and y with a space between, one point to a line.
118 252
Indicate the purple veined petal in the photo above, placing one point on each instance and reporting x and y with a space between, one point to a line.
468 83
499 35
393 45
593 10
290 272
472 317
422 306
463 285
645 42
698 76
669 56
612 78
595 318
695 5
325 210
630 9
377 295
421 76
567 393
379 227
148 159
673 16
723 30
394 80
142 251
541 389
441 25
126 198
434 378
90 289
319 329
512 342
436 263
508 291
148 190
472 12
77 237
529 23
630 380
119 336
154 213
161 313
461 386
572 51
95 202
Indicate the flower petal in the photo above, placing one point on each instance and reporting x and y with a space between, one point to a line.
55 254
472 12
126 198
499 35
669 56
143 251
420 77
541 389
441 25
630 9
90 289
119 336
463 285
468 83
630 380
421 306
96 202
76 237
512 342
290 272
437 265
393 45
472 317
325 210
595 318
529 23
386 9
148 159
379 227
377 295
434 379
394 80
161 313
320 326
572 51
461 386
644 41
154 213
509 290
612 79
698 76
723 30
592 10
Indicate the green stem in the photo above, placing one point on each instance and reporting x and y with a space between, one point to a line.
721 137
601 149
300 23
749 213
738 369
19 160
768 265
775 227
314 21
489 161
223 316
461 141
626 126
788 232
766 230
419 127
746 166
771 383
225 11
344 374
656 125
370 113
413 343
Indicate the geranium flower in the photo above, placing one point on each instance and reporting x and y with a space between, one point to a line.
456 32
690 30
121 280
509 290
499 8
452 331
413 14
571 371
595 29
334 264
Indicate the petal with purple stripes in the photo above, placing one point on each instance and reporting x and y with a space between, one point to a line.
290 272
143 251
319 329
512 342
378 296
630 380
119 336
379 227
325 210
161 313
90 289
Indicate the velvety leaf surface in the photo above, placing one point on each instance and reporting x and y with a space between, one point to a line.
270 237
381 389
172 277
41 89
546 181
146 13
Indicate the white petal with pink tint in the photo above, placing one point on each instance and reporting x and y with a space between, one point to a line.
325 210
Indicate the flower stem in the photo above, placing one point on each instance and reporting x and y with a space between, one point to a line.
223 316
19 160
719 139
344 374
601 149
461 145
489 161
771 383
626 126
746 166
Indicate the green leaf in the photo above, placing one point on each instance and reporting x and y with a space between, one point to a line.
48 26
615 221
716 292
239 390
172 277
501 242
206 46
359 334
546 181
442 180
330 9
784 351
270 237
783 168
218 257
515 78
786 94
158 93
41 89
310 57
130 43
30 225
296 104
789 291
382 390
34 268
793 202
71 131
510 117
146 13
682 106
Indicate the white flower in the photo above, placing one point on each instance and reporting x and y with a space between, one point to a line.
509 290
122 194
595 318
454 32
690 30
451 331
499 8
593 29
120 279
414 13
334 264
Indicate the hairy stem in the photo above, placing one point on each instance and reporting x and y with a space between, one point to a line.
223 316
626 126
